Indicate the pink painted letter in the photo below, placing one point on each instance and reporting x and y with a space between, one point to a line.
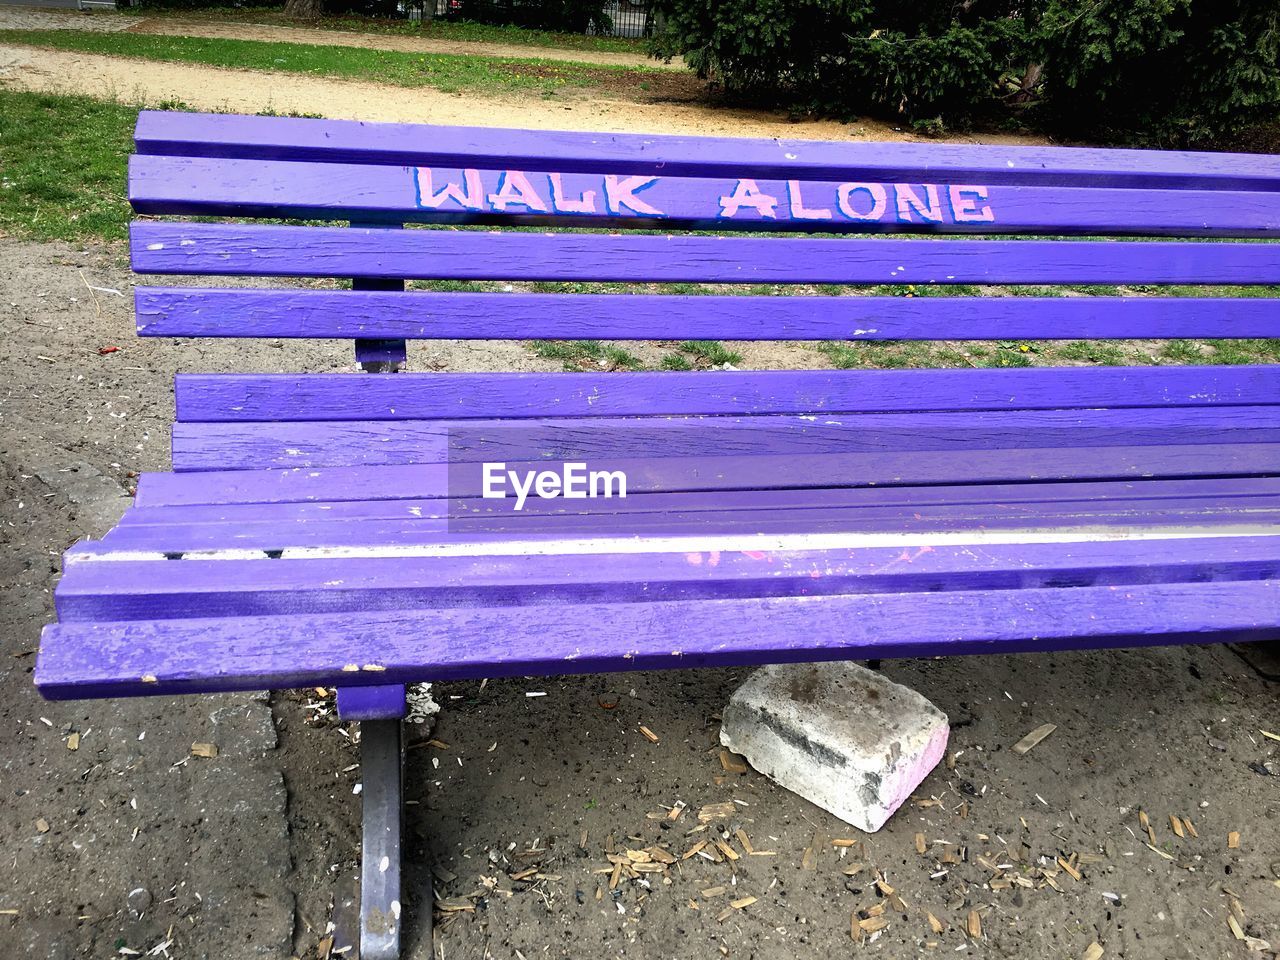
584 204
909 200
965 209
798 209
747 194
879 200
622 193
472 198
514 189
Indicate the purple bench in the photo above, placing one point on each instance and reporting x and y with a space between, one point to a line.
770 516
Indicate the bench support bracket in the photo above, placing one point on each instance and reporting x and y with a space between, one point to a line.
379 710
381 763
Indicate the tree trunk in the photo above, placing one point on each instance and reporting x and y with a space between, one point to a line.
304 9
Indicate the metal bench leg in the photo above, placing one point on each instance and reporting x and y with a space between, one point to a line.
382 763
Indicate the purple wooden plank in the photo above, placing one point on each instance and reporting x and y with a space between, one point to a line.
256 446
344 141
304 397
290 485
276 535
339 314
371 703
749 472
151 590
1224 490
198 655
198 186
259 250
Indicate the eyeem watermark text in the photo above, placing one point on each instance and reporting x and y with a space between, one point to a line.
573 481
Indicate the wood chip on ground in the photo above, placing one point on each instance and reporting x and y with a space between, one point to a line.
1034 737
872 924
693 851
717 811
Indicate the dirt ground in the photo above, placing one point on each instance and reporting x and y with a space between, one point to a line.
128 843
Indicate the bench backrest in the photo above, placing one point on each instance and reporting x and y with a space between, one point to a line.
682 210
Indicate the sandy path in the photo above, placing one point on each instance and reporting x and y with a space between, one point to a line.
211 88
33 18
375 41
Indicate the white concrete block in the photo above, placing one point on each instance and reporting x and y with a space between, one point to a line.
839 735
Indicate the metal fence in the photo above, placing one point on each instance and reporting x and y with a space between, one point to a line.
629 19
626 18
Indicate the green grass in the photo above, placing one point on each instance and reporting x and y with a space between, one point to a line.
586 355
709 353
446 72
62 166
460 30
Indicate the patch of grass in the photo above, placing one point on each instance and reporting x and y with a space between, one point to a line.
709 353
1006 358
894 354
1020 290
580 286
586 355
1229 290
62 166
447 72
1220 351
1184 351
676 361
1094 289
455 286
1101 352
925 290
461 30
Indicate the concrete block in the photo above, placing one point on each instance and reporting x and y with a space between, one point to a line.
839 735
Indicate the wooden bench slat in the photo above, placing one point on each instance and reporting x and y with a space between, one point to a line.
129 590
346 141
256 446
265 250
740 472
200 186
409 396
377 647
345 314
440 526
1015 496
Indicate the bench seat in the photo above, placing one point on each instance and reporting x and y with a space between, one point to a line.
957 504
257 595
